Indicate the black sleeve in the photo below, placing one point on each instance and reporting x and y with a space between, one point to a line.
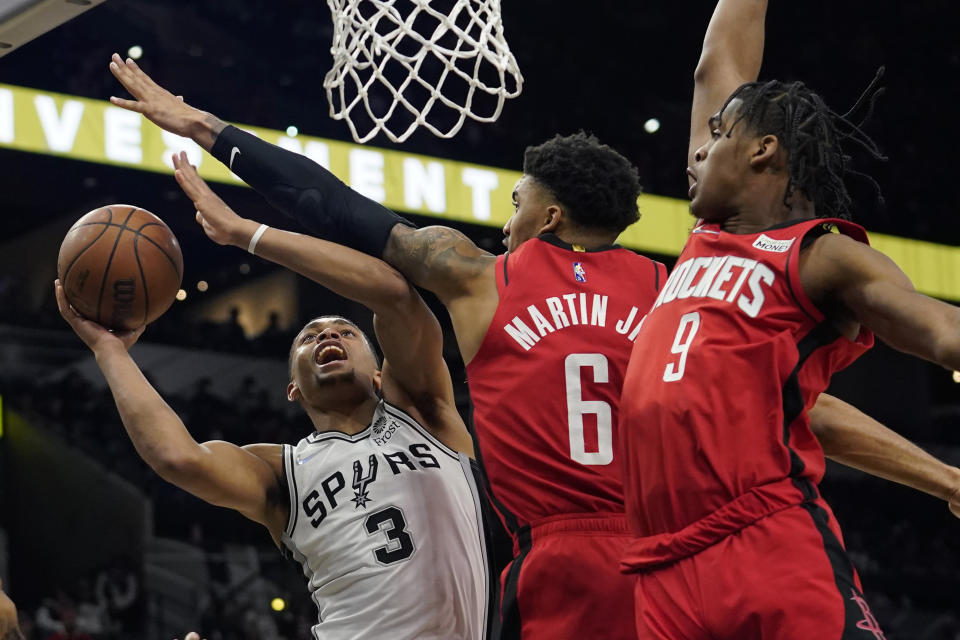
307 192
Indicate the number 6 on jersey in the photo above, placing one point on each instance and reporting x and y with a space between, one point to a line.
674 370
577 406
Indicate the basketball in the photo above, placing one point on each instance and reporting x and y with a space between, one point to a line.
120 266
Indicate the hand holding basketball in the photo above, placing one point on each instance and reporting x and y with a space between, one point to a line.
93 335
121 266
219 221
158 105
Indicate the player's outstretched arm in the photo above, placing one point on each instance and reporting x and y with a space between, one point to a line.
851 280
856 440
407 330
732 54
437 258
221 473
9 625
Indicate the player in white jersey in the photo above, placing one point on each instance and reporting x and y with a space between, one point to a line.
386 530
378 504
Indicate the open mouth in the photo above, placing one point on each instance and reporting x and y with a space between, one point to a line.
329 353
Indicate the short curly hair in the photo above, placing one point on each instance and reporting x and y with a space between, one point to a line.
597 186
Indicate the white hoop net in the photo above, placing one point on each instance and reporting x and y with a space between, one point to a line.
402 64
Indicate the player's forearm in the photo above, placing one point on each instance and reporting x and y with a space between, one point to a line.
206 129
734 40
346 272
856 440
157 433
305 191
437 258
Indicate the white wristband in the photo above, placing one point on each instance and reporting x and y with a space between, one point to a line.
252 247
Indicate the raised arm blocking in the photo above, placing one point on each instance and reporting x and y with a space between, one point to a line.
305 191
732 54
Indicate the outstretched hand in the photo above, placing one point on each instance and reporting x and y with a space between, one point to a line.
219 221
95 336
158 105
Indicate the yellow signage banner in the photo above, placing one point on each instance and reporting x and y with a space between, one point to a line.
96 131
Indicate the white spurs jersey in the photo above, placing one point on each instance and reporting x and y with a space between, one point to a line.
387 527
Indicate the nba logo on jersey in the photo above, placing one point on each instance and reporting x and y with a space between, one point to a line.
579 274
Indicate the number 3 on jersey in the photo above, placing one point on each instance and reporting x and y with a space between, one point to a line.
399 543
577 407
686 332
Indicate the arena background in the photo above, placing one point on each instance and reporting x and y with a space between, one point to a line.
80 512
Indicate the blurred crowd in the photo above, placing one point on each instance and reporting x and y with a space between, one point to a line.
85 417
174 327
109 605
113 607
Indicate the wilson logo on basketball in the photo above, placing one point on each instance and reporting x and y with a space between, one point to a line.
124 294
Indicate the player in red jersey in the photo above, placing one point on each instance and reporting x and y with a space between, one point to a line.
545 387
733 540
546 331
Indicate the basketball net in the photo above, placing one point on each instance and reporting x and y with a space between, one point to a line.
398 69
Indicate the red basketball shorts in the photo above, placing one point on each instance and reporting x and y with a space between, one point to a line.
565 582
786 576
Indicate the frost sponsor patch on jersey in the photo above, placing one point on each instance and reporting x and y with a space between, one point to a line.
766 243
383 430
579 273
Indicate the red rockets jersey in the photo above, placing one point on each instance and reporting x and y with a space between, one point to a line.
714 418
546 381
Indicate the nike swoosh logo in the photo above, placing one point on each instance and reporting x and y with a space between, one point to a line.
304 460
233 154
